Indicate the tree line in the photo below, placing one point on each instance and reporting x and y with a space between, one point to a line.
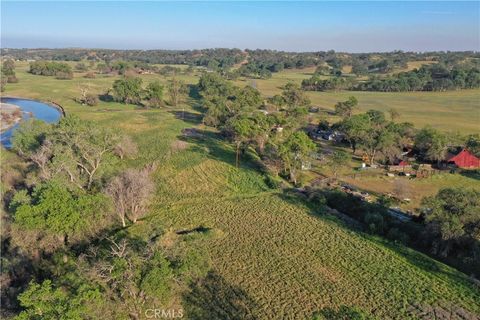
435 77
254 63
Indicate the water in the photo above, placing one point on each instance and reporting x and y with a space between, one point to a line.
30 108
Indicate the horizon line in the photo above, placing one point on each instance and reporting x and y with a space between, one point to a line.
233 48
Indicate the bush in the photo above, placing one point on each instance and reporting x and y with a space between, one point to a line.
398 236
374 222
91 100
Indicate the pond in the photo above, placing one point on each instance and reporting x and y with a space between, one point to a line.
30 108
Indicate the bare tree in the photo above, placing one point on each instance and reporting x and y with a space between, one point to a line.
84 89
123 287
41 159
177 91
91 149
131 193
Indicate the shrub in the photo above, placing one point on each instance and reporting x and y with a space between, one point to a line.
374 222
398 236
91 99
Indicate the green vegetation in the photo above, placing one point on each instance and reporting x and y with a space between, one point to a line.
8 73
49 68
435 77
204 225
452 220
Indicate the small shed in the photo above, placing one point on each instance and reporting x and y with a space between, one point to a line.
464 159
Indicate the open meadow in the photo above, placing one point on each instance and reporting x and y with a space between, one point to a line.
448 111
272 256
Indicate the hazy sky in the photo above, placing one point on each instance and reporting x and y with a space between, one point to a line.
296 26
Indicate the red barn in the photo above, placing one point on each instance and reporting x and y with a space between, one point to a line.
464 159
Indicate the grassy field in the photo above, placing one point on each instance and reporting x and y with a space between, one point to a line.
448 111
272 256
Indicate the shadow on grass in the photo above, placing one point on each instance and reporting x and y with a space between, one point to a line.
472 174
414 253
188 117
193 91
213 146
214 298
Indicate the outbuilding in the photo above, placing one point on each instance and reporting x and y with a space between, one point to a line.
464 159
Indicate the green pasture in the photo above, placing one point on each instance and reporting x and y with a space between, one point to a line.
273 257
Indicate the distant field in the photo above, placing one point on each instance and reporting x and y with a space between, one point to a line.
272 256
448 111
417 64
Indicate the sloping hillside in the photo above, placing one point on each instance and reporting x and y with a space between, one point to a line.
276 257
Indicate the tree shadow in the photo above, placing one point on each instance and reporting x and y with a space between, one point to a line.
188 117
472 174
213 146
214 298
18 269
414 252
193 91
105 97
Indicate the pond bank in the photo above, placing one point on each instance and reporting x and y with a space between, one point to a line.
50 103
49 112
10 116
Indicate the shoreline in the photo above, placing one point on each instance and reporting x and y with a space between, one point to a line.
53 104
10 109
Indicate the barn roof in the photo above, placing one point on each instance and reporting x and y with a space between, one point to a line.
464 159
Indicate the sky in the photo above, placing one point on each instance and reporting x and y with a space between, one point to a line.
357 26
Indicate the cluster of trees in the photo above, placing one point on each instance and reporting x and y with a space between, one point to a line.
435 77
252 63
374 62
448 227
434 145
51 68
262 63
375 134
319 83
275 137
372 132
64 251
452 220
8 72
191 57
129 90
